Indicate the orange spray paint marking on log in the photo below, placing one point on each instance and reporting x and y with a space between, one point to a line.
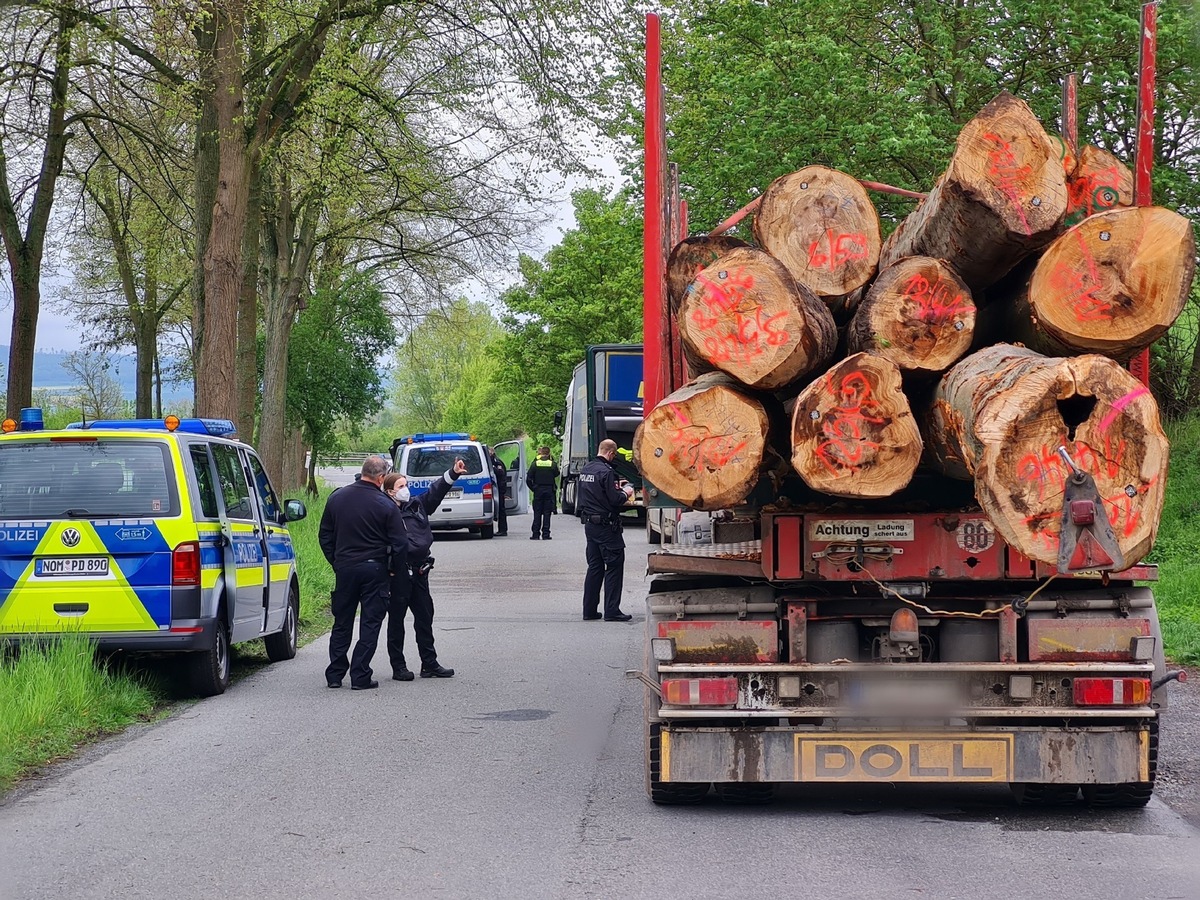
935 303
845 448
1046 467
1092 193
1009 177
839 249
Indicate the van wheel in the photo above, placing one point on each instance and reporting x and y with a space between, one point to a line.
487 531
282 645
209 673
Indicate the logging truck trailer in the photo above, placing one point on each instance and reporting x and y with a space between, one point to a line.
897 642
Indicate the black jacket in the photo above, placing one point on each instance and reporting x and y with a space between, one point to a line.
598 491
501 477
414 517
541 477
360 522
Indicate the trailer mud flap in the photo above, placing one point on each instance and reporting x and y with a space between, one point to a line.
1096 756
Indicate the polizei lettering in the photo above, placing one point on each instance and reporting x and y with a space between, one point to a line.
13 535
586 476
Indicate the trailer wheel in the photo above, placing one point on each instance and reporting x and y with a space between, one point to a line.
1033 794
746 793
668 793
1126 796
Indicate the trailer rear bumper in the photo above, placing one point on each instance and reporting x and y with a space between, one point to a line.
1099 755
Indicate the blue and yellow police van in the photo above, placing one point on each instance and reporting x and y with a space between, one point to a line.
473 502
161 536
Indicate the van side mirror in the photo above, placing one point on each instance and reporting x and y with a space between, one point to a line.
294 510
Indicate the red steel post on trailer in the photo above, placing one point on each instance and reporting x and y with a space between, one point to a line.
1143 158
655 354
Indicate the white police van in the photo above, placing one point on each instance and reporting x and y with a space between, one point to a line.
471 503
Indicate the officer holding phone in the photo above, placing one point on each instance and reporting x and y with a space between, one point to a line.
601 497
410 575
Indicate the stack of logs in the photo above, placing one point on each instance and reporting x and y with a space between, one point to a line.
987 331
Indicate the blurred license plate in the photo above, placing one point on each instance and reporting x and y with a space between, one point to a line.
72 566
454 495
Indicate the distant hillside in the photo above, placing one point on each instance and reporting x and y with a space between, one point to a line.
49 374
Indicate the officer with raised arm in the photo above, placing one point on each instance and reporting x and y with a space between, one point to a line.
601 498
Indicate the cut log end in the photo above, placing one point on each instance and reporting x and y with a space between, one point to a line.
1115 282
747 316
918 314
821 224
1097 181
690 257
704 444
1010 411
853 432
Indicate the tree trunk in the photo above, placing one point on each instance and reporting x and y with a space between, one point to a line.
1001 199
1000 416
1099 182
216 381
293 475
705 444
1112 284
853 432
247 338
204 186
918 314
747 316
24 251
821 224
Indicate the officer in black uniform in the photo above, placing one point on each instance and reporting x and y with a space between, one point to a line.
359 528
543 473
600 500
501 491
410 573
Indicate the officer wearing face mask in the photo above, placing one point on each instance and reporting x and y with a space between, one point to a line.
410 576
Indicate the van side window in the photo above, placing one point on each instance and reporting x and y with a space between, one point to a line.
235 493
266 496
204 481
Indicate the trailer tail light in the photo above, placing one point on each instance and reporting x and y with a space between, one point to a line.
700 691
1112 691
185 564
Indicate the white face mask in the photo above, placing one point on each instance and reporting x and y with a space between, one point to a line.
401 495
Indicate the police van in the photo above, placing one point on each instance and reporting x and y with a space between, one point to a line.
471 503
146 535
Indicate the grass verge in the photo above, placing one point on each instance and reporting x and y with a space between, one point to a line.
1177 550
56 696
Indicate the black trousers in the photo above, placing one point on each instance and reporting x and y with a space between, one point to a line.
410 592
362 585
605 565
501 517
543 508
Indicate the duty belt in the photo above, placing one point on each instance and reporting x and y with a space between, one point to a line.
599 520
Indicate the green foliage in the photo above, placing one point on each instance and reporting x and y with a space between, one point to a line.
54 696
1177 549
587 290
881 89
442 356
316 577
333 358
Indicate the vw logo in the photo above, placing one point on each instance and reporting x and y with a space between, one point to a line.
70 537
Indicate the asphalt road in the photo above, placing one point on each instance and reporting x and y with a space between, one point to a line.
521 777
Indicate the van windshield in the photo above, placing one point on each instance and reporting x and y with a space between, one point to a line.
95 479
432 461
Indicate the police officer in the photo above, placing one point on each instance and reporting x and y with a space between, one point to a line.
541 478
359 528
501 491
600 500
410 573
